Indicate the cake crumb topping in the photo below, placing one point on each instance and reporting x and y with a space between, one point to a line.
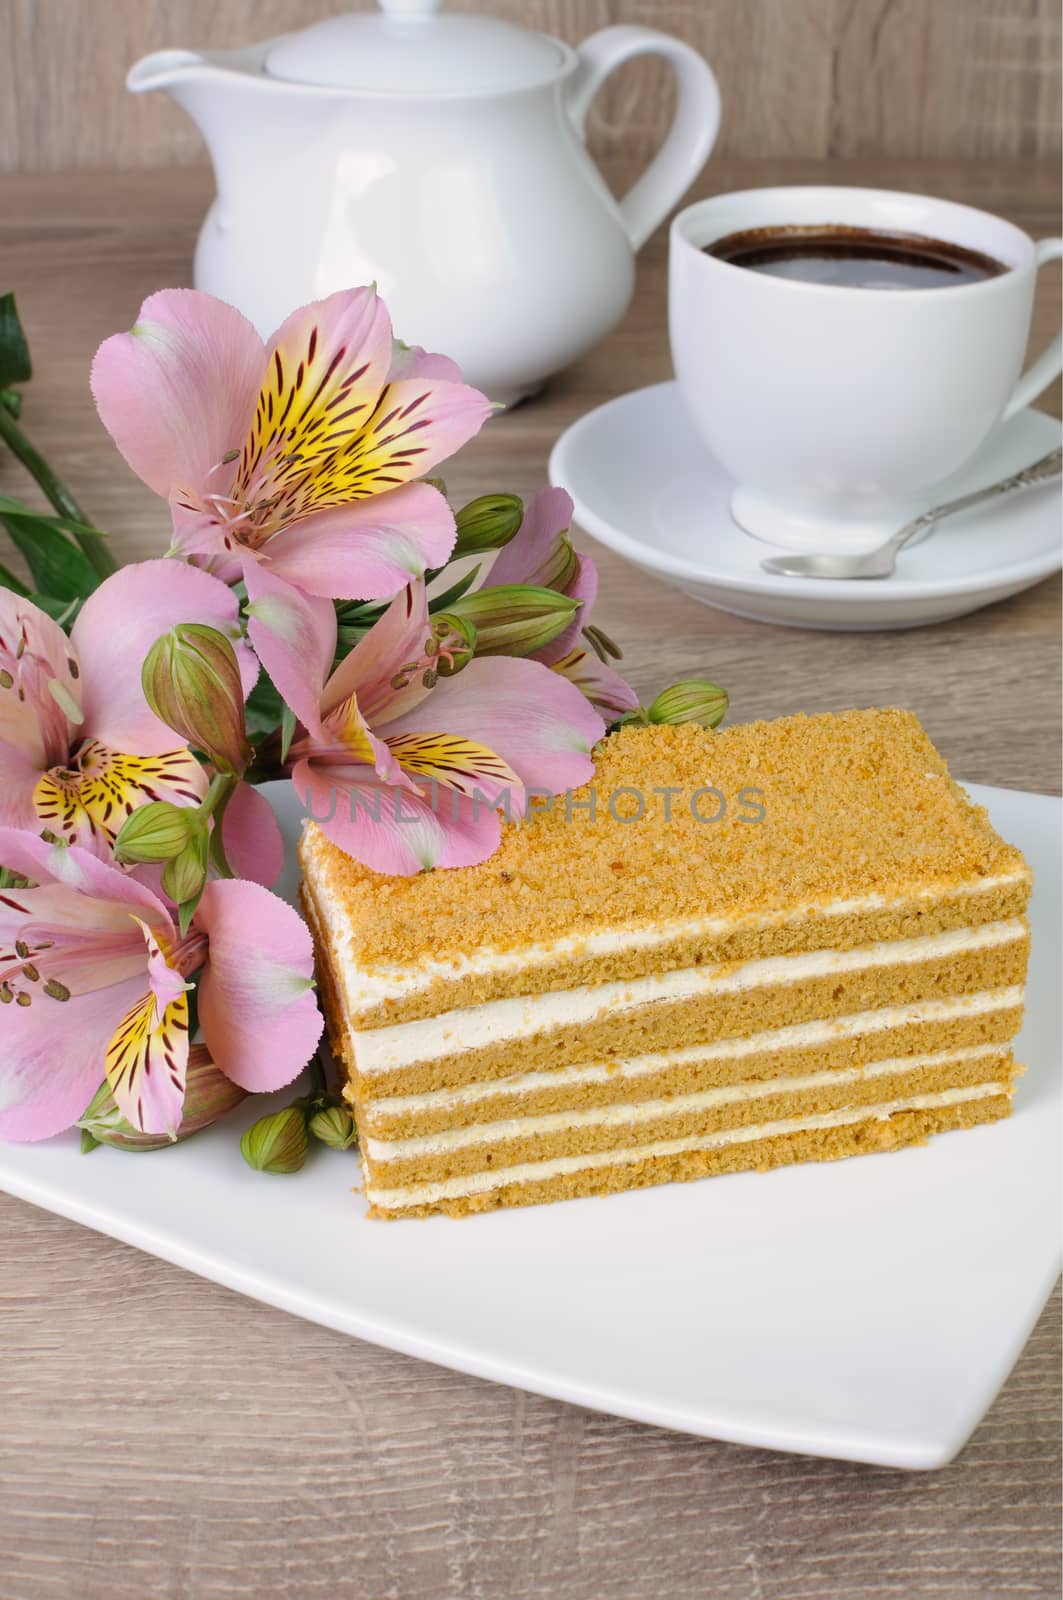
683 822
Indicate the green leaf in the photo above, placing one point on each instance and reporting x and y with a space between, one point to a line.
88 1143
262 709
287 730
9 581
442 602
18 508
359 613
58 568
62 611
346 639
185 912
15 364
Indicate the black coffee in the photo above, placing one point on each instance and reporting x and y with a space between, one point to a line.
855 258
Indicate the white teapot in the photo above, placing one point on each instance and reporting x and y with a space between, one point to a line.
440 156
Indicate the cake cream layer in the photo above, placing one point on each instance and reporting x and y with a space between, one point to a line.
760 1145
381 996
448 1154
890 1032
382 1050
690 1006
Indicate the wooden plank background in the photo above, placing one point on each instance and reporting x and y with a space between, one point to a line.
800 78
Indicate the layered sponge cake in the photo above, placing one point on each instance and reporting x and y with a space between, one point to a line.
788 941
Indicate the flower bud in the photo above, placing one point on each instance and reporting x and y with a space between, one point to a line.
278 1142
515 619
487 523
185 874
192 683
691 700
157 831
334 1126
209 1094
560 566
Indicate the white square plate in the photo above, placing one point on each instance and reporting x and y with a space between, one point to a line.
868 1309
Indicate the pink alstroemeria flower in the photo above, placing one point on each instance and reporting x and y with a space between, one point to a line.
403 767
531 557
80 748
94 980
298 455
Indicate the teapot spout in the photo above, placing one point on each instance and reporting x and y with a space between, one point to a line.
221 91
163 69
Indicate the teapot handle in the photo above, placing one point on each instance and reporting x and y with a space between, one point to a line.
692 134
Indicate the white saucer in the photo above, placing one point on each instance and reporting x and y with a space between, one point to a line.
644 485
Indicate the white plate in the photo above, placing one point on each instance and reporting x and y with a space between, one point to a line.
868 1309
645 486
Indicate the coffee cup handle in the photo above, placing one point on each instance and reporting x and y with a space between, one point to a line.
1049 363
693 132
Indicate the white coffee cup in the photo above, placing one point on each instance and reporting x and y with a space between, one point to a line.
838 409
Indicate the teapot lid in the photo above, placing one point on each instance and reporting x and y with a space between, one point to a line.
407 48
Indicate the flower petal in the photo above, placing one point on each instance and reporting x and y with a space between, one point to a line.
146 1059
367 550
418 422
459 763
52 1061
116 628
295 637
253 845
202 536
87 802
84 942
165 982
606 690
39 687
525 557
413 361
535 720
386 667
177 393
257 1009
75 869
349 738
18 779
394 830
325 367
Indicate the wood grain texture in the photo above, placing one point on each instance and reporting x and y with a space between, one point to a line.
164 1437
930 78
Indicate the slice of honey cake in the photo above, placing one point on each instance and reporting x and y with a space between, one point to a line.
788 941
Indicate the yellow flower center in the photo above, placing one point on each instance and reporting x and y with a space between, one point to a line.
94 794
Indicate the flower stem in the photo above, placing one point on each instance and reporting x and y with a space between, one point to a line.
221 790
93 546
213 805
220 787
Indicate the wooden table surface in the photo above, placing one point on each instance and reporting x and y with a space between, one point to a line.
164 1437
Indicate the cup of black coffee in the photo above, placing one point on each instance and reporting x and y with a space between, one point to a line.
855 258
844 350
